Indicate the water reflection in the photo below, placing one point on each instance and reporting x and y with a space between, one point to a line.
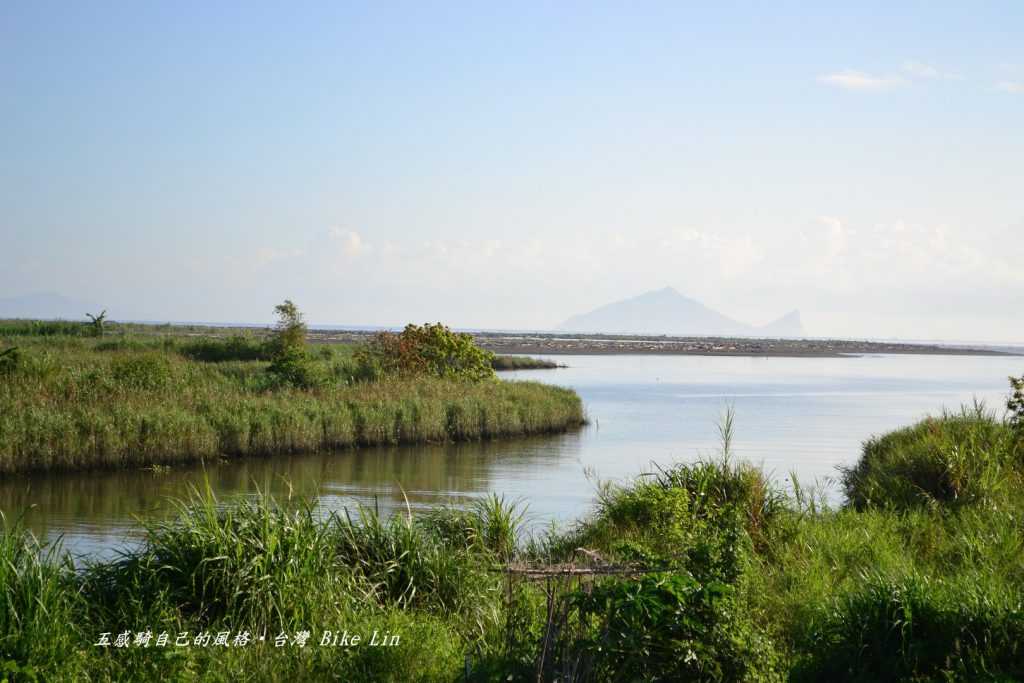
97 512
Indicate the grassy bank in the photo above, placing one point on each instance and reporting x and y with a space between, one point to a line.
523 363
75 401
704 572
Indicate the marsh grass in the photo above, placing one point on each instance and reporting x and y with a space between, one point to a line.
76 403
265 566
39 600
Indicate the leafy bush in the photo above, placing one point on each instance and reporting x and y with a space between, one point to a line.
289 337
290 363
428 349
297 369
668 627
953 459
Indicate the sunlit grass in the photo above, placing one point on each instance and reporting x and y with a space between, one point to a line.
77 402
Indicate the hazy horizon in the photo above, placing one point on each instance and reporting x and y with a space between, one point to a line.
512 167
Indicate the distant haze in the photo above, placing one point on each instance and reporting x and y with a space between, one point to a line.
666 311
514 165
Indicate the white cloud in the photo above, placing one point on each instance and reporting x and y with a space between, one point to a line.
923 71
350 241
1014 87
859 80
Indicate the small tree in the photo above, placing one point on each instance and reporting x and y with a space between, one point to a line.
1015 404
290 330
288 358
97 322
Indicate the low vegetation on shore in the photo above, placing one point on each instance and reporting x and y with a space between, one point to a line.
523 363
705 572
79 395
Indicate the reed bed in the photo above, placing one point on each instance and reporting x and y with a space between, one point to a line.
75 403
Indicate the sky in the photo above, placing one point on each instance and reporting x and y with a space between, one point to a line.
510 165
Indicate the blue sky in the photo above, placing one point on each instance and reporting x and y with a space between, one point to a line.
512 166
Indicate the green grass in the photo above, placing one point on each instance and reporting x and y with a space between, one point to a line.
74 403
954 459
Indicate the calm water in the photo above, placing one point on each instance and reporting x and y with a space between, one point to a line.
806 415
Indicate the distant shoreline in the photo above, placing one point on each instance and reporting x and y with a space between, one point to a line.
555 344
715 346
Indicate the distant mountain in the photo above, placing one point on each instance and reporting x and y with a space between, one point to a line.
788 325
666 311
45 305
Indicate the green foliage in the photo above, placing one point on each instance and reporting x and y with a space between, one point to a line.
38 604
9 360
289 337
668 627
146 372
251 560
915 628
44 328
97 322
290 363
237 347
431 349
521 363
138 401
1015 403
292 367
925 593
954 459
490 525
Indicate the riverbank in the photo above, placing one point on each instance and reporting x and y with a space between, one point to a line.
704 571
75 402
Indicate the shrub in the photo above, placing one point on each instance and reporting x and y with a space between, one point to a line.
952 460
428 349
668 627
289 337
289 361
297 369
